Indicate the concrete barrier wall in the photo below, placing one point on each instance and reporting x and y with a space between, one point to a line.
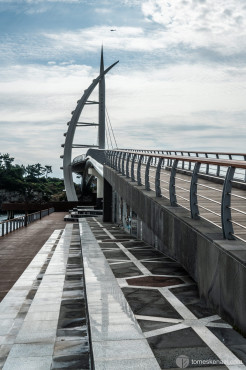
217 265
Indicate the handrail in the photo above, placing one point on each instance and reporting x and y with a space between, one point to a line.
212 161
143 162
13 224
185 151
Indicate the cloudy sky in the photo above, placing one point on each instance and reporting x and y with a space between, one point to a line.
180 82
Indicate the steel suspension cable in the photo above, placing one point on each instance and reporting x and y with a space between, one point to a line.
111 127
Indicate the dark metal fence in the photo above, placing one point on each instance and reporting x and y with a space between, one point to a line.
11 225
210 185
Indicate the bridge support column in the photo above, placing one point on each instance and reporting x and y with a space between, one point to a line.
107 202
100 181
115 207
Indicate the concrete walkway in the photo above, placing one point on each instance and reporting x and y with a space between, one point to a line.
158 305
43 321
18 248
115 303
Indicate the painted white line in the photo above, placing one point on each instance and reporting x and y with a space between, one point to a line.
219 325
109 234
158 319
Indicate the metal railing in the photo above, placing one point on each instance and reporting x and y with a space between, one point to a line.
79 158
206 184
15 223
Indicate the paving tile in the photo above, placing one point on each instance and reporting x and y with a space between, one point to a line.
189 296
165 268
42 316
169 346
37 331
5 326
131 364
149 303
233 340
32 350
30 363
115 332
125 270
148 325
121 349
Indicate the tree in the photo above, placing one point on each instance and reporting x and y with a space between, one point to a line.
48 169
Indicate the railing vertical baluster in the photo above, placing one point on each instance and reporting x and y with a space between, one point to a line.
119 159
127 164
139 169
218 167
132 167
147 184
123 164
227 225
207 165
110 158
189 162
194 209
182 153
245 170
114 160
172 192
157 178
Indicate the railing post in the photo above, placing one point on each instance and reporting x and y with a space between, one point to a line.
189 162
207 165
218 167
227 225
157 178
132 167
111 162
127 164
147 184
25 221
139 170
118 166
115 160
182 153
245 170
123 164
193 192
172 193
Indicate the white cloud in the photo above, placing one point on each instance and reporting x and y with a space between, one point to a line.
103 10
219 25
187 107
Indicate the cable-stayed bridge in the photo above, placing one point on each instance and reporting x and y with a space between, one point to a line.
157 282
192 205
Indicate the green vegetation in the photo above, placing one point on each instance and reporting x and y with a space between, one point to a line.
32 181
